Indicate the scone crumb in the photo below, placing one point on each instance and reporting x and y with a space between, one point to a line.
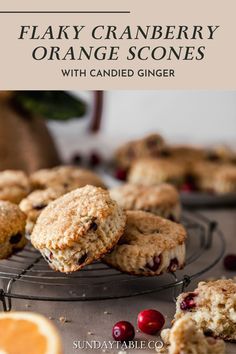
63 319
107 313
90 333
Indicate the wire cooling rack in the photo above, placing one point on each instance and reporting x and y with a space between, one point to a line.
27 276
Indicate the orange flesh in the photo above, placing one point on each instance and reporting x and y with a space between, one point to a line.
21 337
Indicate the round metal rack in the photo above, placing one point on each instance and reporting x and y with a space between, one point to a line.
27 276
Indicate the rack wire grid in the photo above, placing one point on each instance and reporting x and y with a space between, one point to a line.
26 275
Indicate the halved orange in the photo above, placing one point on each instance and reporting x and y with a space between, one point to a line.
28 333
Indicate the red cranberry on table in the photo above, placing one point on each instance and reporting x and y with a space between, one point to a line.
76 159
150 321
188 302
94 159
230 262
123 331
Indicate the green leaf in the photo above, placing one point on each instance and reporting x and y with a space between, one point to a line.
57 105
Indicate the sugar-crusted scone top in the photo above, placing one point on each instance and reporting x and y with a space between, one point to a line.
39 199
134 196
224 287
67 219
69 177
143 230
12 219
150 171
14 185
222 291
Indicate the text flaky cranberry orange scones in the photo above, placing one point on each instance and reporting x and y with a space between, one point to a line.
78 228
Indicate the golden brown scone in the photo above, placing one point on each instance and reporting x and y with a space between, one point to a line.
185 337
221 153
12 229
14 185
150 172
35 202
151 245
225 180
78 228
203 174
69 177
149 146
212 305
162 200
187 152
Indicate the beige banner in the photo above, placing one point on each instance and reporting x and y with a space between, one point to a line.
182 44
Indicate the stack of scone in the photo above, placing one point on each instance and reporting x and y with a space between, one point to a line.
49 184
89 224
22 198
151 161
73 221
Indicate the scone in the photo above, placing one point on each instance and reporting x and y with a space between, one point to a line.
225 180
35 202
162 200
186 338
213 306
221 153
69 177
156 171
78 228
186 152
149 146
14 185
151 245
203 175
12 229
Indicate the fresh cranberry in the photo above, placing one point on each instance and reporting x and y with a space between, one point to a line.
174 264
93 226
188 303
94 159
123 331
15 238
187 187
172 218
230 262
156 264
76 159
121 174
150 321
